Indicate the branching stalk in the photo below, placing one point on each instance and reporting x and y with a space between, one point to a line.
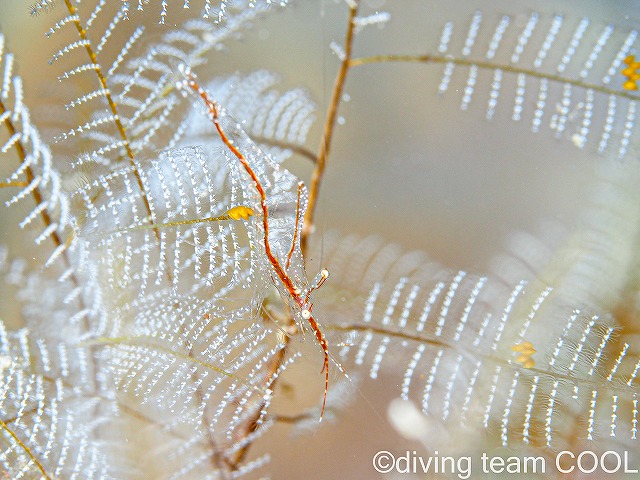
26 449
329 125
37 196
113 107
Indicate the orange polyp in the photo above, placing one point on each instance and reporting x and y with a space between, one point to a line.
524 347
529 363
632 73
240 212
526 351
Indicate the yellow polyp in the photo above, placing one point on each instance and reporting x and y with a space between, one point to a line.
632 73
526 351
530 363
524 347
240 212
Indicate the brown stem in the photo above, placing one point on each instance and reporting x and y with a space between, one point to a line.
26 449
465 62
329 124
37 196
251 425
114 110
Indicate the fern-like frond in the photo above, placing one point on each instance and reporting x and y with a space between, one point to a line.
277 122
481 354
29 160
49 424
218 10
53 403
217 260
199 379
224 257
168 376
572 68
132 105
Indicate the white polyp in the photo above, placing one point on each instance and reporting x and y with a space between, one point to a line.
408 305
406 382
523 38
592 413
377 360
507 310
548 41
608 124
468 90
549 415
593 56
614 415
370 303
430 381
446 78
623 352
467 309
453 287
598 354
450 390
447 30
492 395
507 410
581 344
621 55
519 99
472 33
530 402
534 310
628 129
573 45
497 36
393 301
469 392
495 92
426 310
